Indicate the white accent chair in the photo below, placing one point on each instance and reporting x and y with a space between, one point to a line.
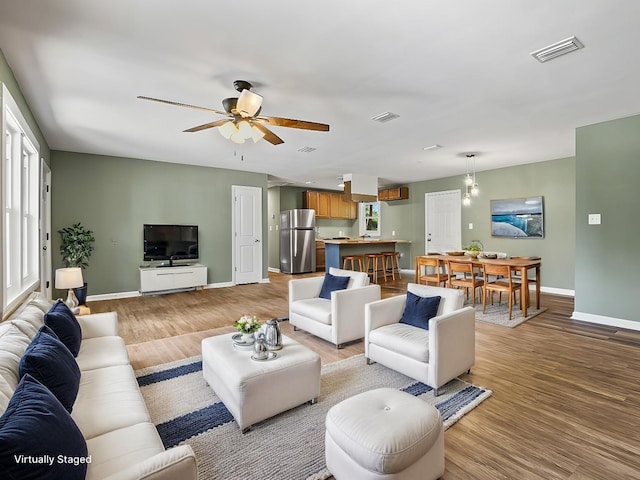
338 320
433 357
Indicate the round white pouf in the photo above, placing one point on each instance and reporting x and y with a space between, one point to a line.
384 434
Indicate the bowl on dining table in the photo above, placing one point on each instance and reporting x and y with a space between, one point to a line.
455 254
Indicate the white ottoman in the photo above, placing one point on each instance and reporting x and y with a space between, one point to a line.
384 434
256 390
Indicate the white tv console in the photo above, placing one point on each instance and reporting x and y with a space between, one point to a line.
167 279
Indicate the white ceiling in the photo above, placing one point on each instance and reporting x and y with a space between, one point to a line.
458 73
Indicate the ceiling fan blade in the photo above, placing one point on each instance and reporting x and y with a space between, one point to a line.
269 136
217 123
169 102
291 123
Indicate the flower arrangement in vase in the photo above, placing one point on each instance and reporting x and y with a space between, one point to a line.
247 325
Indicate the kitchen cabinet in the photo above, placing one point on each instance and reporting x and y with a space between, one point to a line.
395 193
329 205
320 259
318 201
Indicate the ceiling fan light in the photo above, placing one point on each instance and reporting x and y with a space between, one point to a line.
244 130
248 103
227 129
256 134
236 138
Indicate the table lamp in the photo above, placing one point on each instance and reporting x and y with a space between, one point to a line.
69 278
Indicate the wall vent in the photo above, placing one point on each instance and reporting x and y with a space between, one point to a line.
385 117
563 47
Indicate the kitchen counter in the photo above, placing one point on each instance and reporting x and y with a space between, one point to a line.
360 241
336 249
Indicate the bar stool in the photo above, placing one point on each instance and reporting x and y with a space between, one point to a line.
375 262
392 263
352 259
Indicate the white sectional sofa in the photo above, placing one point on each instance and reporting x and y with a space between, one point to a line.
109 410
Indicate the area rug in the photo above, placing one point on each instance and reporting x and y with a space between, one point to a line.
288 446
499 314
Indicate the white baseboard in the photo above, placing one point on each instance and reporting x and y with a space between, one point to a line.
603 320
219 285
112 296
117 295
274 270
555 291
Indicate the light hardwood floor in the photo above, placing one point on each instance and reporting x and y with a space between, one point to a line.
565 398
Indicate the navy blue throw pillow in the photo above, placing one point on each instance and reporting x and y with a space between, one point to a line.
419 310
63 322
38 437
331 283
47 360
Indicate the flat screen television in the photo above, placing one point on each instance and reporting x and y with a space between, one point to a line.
517 218
170 242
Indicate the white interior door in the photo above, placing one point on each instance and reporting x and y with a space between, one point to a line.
443 221
247 234
46 286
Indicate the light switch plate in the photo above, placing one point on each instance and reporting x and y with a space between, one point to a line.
594 219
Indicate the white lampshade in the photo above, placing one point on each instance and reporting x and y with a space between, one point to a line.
69 278
248 103
237 138
256 133
227 129
244 130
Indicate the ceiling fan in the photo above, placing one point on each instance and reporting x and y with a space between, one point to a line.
242 117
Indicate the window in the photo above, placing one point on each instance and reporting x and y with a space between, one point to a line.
369 219
20 201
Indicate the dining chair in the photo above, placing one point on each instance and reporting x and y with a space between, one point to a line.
504 283
463 274
438 277
517 276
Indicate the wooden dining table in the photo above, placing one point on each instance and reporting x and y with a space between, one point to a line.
522 264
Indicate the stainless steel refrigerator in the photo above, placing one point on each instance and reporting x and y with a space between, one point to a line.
297 241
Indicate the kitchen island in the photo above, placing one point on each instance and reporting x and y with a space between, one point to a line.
336 249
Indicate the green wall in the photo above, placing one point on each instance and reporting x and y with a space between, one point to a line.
554 180
274 221
608 175
115 196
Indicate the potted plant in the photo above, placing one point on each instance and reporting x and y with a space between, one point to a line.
474 248
76 248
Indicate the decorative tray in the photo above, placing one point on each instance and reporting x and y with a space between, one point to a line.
237 340
455 254
270 356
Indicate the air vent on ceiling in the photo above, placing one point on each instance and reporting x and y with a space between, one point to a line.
560 48
435 146
306 149
385 117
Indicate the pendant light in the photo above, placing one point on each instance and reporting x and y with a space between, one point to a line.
471 186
